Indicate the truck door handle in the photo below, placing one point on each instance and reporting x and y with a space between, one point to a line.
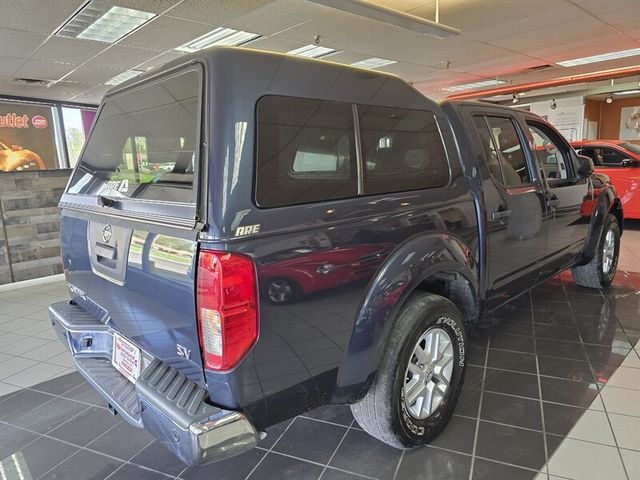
499 214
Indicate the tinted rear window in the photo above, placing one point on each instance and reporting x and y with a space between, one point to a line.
402 150
305 151
144 144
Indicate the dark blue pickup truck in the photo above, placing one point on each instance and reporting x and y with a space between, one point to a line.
248 236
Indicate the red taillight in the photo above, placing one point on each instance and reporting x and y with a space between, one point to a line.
227 309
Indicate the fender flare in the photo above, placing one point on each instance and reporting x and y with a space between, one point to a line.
606 201
414 261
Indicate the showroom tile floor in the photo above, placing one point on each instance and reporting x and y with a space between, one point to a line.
552 391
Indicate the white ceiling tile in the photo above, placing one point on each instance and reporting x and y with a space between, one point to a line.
18 43
215 12
93 74
43 69
63 90
277 16
275 44
8 65
69 50
160 60
119 56
92 95
41 16
153 6
326 26
598 6
165 33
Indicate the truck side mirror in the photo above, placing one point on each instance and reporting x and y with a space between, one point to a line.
584 166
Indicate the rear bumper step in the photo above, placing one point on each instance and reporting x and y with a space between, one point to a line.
163 401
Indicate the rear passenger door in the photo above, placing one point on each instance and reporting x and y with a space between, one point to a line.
514 207
565 193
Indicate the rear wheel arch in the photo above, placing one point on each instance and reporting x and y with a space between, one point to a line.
616 210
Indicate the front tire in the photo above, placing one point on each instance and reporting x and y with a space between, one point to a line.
601 270
282 290
419 378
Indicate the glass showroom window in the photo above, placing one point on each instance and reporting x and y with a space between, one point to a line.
77 124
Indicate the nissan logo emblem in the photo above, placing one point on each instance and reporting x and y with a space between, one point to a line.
106 233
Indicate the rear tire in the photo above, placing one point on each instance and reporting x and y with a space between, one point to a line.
388 411
601 270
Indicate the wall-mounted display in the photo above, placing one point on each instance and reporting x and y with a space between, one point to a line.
630 123
27 137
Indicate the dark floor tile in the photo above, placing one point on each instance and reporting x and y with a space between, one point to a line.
556 332
122 441
600 331
512 383
560 419
554 318
332 413
86 427
36 458
568 392
565 368
553 442
458 435
515 343
433 464
468 403
505 360
133 472
510 313
157 457
473 377
600 355
548 293
310 439
50 415
551 306
85 393
285 468
60 385
520 412
511 445
13 439
23 402
84 465
488 470
273 433
333 474
234 468
476 355
479 337
591 305
361 453
556 348
512 328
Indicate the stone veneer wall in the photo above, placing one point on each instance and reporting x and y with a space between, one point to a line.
30 224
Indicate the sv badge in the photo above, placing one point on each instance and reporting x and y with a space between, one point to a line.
183 352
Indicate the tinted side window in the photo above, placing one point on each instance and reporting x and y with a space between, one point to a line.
611 157
490 152
549 154
402 150
515 170
305 151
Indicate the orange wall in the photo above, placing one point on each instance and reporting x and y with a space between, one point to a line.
610 117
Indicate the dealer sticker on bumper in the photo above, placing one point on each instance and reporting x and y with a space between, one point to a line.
126 357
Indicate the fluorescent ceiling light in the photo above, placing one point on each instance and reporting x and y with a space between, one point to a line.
103 22
313 51
374 62
600 58
123 77
390 17
219 36
627 92
469 86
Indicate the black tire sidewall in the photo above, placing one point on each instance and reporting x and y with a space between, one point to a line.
412 431
610 223
295 289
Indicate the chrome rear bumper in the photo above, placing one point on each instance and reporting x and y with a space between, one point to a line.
163 401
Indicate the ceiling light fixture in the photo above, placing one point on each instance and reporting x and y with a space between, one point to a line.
390 16
609 98
373 62
515 99
627 92
219 36
103 22
313 51
553 105
123 77
600 58
469 86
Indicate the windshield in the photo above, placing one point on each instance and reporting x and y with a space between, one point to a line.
631 147
144 144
